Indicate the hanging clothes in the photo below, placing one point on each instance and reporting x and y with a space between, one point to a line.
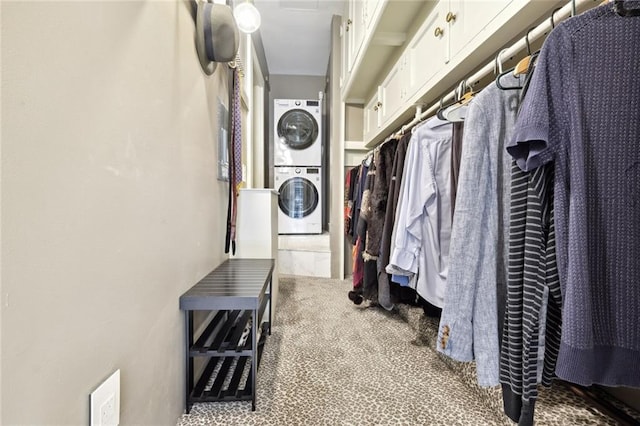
349 196
359 191
383 161
581 112
532 322
365 231
478 254
358 239
456 154
423 222
385 296
380 179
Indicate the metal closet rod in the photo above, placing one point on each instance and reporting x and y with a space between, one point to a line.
560 14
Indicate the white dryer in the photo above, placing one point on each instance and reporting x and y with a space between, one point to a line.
299 200
297 132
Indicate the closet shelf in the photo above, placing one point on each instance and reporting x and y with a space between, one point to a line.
428 66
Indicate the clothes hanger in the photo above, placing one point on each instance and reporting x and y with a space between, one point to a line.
528 75
457 110
441 109
620 9
523 65
553 14
533 58
501 73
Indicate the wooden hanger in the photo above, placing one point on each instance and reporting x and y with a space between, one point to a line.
524 64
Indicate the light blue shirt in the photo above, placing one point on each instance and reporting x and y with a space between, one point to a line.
422 227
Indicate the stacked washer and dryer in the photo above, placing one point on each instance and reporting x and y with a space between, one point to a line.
297 161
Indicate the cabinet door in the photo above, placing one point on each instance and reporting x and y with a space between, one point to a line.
355 29
428 50
344 54
393 90
370 10
467 18
372 117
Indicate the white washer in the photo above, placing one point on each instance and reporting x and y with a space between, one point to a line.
299 200
297 132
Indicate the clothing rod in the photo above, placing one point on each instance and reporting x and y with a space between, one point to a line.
561 14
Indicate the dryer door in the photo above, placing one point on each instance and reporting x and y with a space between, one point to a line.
298 129
298 197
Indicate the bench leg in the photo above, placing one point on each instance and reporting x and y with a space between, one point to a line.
254 358
188 359
270 303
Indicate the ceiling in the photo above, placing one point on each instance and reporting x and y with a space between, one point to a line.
296 34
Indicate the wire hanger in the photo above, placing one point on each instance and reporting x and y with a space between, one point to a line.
553 15
457 110
441 109
501 73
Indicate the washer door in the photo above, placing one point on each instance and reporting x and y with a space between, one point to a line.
298 197
297 129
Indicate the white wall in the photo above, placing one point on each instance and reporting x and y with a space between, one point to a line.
336 152
111 208
259 139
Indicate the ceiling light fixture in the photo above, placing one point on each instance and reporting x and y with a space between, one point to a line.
247 17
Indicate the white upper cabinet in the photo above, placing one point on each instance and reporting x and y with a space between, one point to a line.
377 31
370 11
355 31
466 18
372 116
394 89
428 50
409 52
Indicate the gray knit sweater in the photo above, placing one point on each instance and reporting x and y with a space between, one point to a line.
582 112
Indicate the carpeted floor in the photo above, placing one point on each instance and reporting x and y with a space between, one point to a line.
329 362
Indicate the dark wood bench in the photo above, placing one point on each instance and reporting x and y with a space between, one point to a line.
236 294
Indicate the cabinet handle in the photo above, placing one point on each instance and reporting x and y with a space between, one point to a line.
438 32
451 17
349 22
375 107
379 104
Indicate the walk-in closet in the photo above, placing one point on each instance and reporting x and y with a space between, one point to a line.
320 212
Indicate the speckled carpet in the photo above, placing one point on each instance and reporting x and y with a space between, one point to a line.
330 362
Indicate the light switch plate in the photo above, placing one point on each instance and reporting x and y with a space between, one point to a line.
105 402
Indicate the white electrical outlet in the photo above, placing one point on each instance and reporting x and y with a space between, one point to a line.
105 402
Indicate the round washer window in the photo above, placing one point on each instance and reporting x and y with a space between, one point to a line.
298 129
298 197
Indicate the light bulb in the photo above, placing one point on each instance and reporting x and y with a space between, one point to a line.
247 17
